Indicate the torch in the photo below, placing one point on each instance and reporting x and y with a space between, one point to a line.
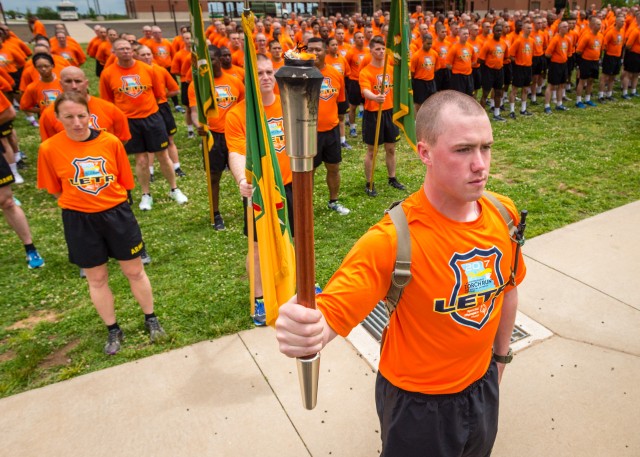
299 82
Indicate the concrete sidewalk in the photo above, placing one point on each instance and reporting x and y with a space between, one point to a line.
574 393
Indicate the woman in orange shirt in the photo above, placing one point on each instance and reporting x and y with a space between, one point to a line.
88 172
40 94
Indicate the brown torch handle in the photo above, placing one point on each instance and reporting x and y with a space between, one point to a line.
304 240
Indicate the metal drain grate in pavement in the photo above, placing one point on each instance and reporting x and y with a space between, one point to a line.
375 322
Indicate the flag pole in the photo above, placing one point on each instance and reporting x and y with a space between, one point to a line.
208 172
251 256
378 122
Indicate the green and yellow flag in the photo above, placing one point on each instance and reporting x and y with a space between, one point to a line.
398 50
202 76
275 245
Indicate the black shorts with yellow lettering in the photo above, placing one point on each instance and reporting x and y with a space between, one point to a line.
94 237
288 190
6 177
148 134
219 153
329 148
6 129
389 132
167 116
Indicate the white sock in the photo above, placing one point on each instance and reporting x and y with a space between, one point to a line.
491 103
190 128
343 139
533 97
18 156
610 93
546 105
30 118
587 98
578 99
524 106
151 169
600 94
512 106
624 91
14 168
633 91
496 111
176 165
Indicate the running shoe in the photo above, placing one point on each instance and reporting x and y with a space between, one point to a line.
393 182
345 145
180 173
338 208
370 192
34 260
259 317
590 103
525 113
581 105
146 202
547 110
156 332
218 222
180 109
178 196
353 132
114 341
145 257
561 108
512 115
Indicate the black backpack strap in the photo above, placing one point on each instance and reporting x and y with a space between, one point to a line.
402 272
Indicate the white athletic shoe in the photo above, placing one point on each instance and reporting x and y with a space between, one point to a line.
178 196
146 202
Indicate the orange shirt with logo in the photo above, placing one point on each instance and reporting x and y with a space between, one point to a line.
590 45
181 65
162 52
10 59
442 48
339 63
354 58
40 94
91 176
134 90
461 57
493 53
30 74
423 64
371 79
558 49
166 82
522 51
331 92
102 116
236 127
613 42
229 92
441 335
633 41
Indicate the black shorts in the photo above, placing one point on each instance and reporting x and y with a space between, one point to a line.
17 76
507 70
521 76
442 78
611 65
558 73
6 177
477 78
343 107
538 65
288 190
492 79
219 153
148 134
167 117
94 237
589 69
414 424
184 93
389 132
462 83
329 149
571 63
354 92
632 62
6 129
422 90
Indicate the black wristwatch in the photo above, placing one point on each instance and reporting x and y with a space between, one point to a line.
504 358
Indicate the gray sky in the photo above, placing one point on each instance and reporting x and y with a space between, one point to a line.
106 6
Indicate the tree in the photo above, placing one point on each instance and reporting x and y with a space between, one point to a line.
44 12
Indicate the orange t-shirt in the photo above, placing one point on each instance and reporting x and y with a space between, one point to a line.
91 176
371 78
40 94
423 64
4 102
633 41
30 74
235 71
71 54
134 90
613 42
39 29
235 128
181 65
105 49
102 116
331 92
539 43
493 53
522 51
339 63
590 45
461 57
165 81
354 58
441 335
93 46
558 49
162 52
10 59
229 92
442 48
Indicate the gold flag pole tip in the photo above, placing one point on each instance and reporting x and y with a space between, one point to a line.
308 374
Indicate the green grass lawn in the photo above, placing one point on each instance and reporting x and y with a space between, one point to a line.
562 168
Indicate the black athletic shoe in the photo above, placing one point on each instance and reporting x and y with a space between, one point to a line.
370 192
218 222
180 173
512 115
156 332
151 177
393 182
113 342
525 113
